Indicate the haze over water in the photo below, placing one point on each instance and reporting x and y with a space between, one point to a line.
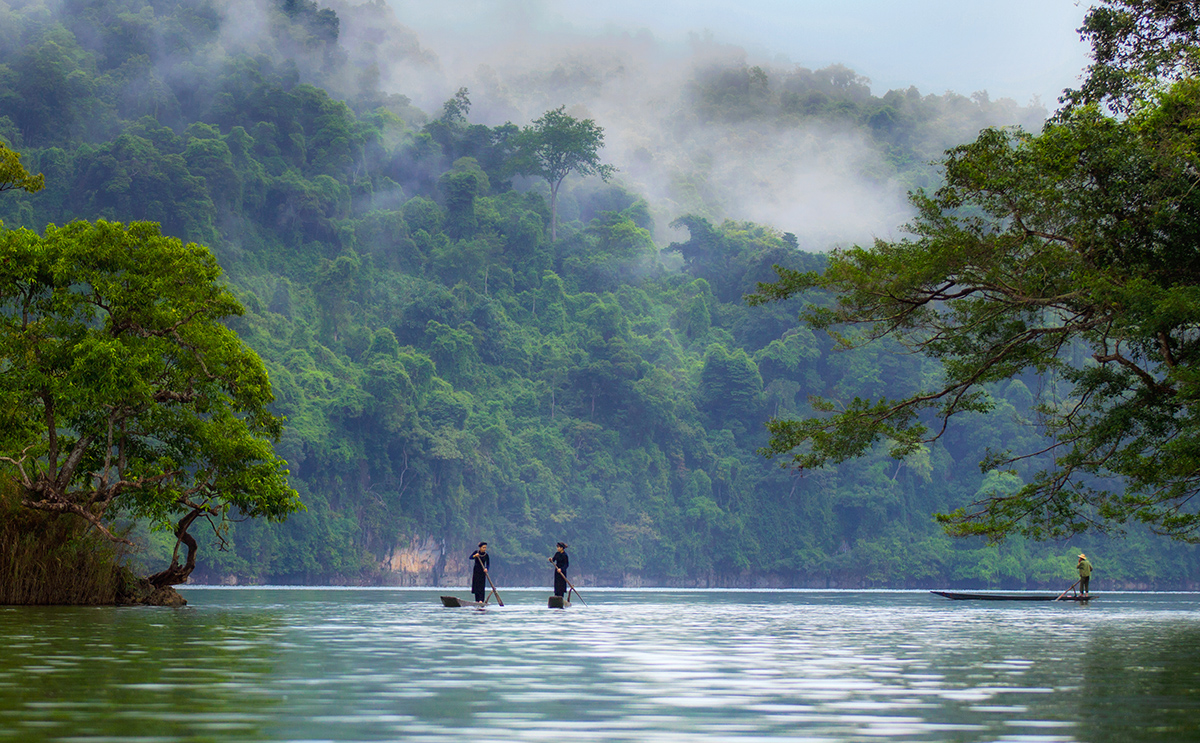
386 664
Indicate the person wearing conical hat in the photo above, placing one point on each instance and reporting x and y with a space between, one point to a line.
1085 573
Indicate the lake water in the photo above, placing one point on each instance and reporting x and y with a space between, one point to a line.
649 665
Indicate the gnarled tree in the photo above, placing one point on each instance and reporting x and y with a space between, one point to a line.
122 393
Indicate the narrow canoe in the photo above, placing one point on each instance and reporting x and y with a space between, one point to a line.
558 602
1009 596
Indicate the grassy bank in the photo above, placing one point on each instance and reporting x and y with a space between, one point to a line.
53 559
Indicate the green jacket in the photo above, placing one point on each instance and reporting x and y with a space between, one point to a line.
1085 568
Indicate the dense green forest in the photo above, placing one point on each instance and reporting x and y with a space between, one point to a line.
448 373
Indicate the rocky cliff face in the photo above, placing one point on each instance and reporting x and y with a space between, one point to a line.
422 562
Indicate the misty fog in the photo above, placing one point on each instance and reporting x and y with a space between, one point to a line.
827 184
695 126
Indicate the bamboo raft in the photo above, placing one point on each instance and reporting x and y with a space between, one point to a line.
558 602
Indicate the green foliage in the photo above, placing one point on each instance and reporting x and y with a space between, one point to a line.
13 175
128 394
735 256
1039 250
459 359
730 387
556 145
1137 45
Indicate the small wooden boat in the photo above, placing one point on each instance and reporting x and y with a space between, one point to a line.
455 602
1012 596
558 602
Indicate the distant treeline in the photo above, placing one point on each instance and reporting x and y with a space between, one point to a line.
448 371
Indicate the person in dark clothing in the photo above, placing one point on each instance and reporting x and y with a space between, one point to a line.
561 561
479 558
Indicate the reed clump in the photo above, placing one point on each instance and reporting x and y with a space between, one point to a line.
50 558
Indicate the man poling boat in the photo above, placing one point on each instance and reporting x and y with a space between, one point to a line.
561 563
480 580
562 597
1082 595
1084 566
480 577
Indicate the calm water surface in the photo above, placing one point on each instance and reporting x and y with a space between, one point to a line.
394 665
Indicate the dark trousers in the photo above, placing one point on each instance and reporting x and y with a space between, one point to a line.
560 584
480 591
1083 583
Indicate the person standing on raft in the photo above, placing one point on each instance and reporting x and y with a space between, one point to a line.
479 558
561 561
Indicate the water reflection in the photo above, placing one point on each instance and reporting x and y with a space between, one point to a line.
82 673
359 665
1150 664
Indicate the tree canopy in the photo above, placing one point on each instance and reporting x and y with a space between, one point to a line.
1073 255
123 392
14 175
556 145
1136 45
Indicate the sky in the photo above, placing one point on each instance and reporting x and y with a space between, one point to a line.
1019 49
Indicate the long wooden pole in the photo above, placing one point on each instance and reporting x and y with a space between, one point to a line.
568 580
490 583
1064 593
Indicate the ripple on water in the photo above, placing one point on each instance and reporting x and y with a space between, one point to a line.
633 666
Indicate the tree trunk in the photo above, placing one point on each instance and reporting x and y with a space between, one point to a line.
554 210
176 573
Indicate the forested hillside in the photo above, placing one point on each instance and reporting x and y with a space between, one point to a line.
448 372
